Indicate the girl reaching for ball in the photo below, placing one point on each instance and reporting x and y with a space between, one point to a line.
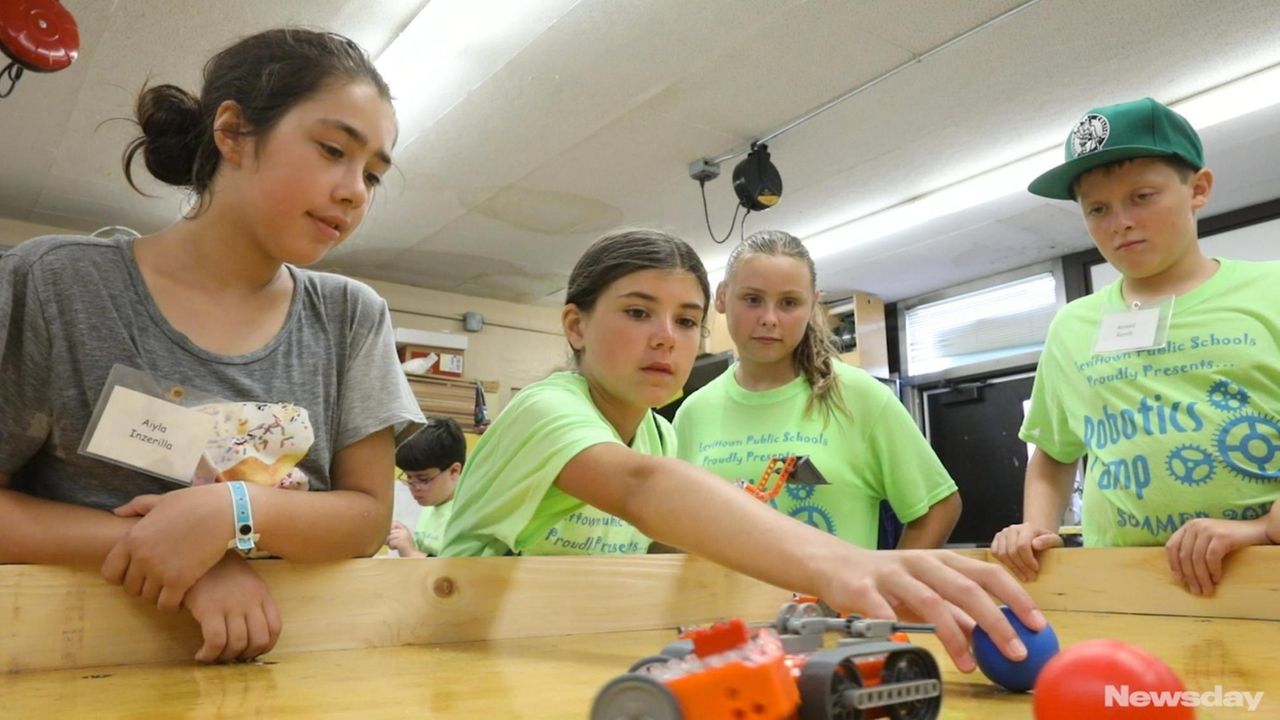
633 317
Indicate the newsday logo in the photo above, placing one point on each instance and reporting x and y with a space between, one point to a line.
1122 696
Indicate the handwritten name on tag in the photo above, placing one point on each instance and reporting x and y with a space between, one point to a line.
1131 330
151 435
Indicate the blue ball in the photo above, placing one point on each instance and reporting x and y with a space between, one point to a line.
1015 676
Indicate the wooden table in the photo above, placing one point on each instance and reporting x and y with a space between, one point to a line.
537 637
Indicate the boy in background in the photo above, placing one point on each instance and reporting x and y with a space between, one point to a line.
431 462
1168 380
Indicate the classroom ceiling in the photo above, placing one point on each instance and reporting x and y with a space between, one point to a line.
554 120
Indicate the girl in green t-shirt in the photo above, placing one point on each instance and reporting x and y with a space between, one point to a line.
633 316
789 394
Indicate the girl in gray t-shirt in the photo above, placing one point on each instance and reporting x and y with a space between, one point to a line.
282 152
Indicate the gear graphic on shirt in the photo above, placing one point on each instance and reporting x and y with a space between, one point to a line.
1190 464
815 516
1228 396
800 491
1249 445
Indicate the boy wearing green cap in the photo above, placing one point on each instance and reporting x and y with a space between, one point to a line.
1168 380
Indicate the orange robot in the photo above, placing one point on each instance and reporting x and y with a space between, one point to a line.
782 672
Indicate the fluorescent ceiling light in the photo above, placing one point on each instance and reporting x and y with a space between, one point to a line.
976 190
1225 102
1232 100
453 46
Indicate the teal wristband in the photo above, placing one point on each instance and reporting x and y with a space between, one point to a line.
245 538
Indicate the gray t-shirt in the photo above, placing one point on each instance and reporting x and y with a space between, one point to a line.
72 307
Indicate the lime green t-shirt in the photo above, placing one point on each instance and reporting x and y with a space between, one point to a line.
429 533
507 499
1187 430
584 528
875 452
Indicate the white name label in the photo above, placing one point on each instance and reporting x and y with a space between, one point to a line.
151 435
1132 330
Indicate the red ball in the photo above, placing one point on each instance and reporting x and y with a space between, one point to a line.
1103 679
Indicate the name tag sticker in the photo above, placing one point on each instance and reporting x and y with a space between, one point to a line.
149 434
1142 327
1131 330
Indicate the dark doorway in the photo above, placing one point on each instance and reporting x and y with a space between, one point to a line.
973 427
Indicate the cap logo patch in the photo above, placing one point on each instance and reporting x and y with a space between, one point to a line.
1090 134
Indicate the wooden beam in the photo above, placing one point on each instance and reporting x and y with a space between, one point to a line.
67 618
1138 580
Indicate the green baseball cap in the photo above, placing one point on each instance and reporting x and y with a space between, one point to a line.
1141 128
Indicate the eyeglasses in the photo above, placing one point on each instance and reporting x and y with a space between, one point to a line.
420 479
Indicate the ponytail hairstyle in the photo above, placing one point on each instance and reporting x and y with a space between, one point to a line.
815 356
265 74
621 253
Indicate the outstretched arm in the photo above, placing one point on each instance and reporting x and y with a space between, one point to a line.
681 505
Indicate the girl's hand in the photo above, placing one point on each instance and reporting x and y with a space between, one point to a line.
1197 549
939 587
237 615
180 536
